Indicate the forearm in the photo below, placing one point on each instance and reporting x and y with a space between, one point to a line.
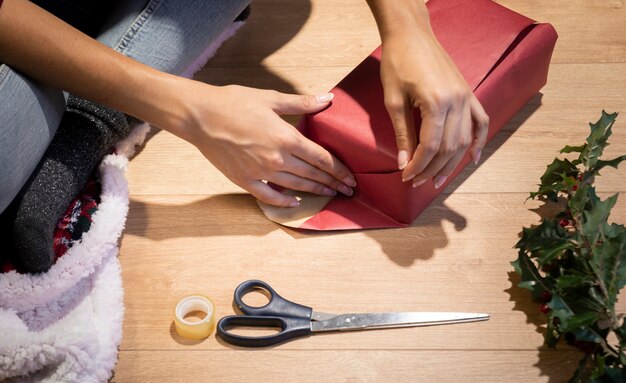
403 17
50 51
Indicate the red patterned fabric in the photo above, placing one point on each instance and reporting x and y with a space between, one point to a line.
75 221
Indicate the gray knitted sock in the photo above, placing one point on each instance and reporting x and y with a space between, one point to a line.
86 133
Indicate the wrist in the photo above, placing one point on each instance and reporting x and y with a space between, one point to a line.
400 19
169 102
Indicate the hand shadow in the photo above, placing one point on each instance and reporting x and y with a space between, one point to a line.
240 60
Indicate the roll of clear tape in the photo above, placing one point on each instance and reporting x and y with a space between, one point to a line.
194 330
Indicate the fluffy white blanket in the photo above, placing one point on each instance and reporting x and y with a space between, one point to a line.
65 325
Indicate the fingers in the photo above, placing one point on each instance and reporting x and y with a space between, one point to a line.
481 128
320 158
401 114
464 142
305 170
298 175
300 104
294 182
266 194
431 134
447 149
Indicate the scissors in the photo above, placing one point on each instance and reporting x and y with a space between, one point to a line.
295 320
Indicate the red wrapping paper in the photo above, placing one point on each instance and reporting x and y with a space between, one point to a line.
504 57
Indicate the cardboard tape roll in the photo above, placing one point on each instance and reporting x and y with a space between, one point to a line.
194 330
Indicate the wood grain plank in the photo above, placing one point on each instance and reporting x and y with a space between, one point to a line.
455 258
350 366
341 33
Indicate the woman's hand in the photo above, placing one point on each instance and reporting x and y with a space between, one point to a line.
239 130
417 73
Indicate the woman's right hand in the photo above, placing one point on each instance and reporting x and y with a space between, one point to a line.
239 130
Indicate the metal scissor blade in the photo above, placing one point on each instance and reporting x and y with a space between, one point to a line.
347 322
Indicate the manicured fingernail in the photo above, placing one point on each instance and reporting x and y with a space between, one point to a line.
324 98
349 181
345 190
478 153
294 203
328 192
440 181
403 159
418 183
408 178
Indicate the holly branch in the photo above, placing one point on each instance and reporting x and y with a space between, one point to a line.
574 262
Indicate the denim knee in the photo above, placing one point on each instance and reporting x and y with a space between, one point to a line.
29 116
169 34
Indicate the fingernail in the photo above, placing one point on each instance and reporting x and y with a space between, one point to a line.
328 192
324 98
345 190
349 181
403 159
294 203
408 178
478 153
418 183
440 181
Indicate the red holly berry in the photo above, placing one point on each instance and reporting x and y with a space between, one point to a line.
580 177
546 296
564 222
544 308
575 187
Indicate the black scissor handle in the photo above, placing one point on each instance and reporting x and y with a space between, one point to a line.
276 307
289 328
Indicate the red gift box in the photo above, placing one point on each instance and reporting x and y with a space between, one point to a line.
504 57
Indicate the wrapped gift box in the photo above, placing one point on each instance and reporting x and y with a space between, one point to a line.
504 56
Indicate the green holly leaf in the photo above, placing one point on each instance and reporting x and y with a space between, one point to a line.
573 149
550 192
577 321
530 277
552 178
579 200
597 140
614 163
546 241
614 230
565 282
586 334
560 310
595 218
533 238
609 264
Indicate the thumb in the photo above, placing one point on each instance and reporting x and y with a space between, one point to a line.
401 114
301 104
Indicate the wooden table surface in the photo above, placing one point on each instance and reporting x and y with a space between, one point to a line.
190 230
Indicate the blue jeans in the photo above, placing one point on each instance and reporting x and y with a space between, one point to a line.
165 34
